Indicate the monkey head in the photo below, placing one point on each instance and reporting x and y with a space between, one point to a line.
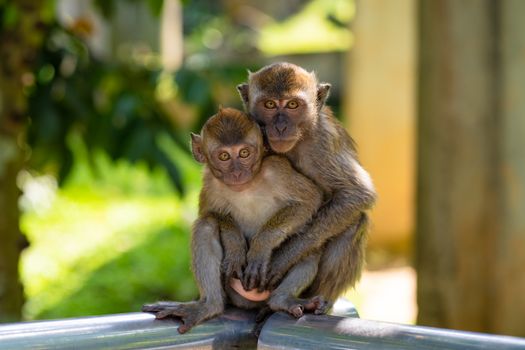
285 100
231 145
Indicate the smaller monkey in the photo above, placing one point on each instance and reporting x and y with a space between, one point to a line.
248 206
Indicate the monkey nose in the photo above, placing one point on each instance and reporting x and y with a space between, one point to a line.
237 174
281 127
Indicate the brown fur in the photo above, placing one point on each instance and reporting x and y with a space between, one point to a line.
281 79
228 126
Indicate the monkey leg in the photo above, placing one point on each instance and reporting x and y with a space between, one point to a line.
286 296
206 262
341 261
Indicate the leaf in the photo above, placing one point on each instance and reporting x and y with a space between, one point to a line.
10 16
106 7
155 6
171 168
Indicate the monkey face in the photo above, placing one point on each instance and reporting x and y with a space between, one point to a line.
285 100
231 145
235 165
282 120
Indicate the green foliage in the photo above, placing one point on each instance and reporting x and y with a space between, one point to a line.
111 106
108 243
108 8
156 269
117 107
321 26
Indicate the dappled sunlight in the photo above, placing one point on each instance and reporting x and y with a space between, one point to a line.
311 29
79 235
386 295
95 219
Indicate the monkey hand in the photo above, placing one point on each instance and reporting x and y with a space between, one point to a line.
254 275
276 271
190 313
233 266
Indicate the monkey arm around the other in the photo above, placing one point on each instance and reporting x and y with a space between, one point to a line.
248 206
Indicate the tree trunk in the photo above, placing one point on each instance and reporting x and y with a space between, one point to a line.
11 296
20 40
470 234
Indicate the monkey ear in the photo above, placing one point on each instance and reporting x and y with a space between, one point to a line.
323 90
196 148
243 91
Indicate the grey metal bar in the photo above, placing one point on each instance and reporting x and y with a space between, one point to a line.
130 331
331 332
233 330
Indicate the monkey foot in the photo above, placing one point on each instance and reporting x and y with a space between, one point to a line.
317 305
297 307
190 313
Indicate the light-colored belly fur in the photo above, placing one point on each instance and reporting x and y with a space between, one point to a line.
252 209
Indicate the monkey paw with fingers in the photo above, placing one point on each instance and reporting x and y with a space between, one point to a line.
273 277
190 313
254 275
233 266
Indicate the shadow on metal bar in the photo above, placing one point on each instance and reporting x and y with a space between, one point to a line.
233 331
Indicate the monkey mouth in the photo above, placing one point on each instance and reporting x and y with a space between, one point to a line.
280 145
239 185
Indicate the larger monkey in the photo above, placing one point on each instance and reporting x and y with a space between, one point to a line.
289 104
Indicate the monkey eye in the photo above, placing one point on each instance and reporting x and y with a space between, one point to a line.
269 104
292 104
244 153
224 156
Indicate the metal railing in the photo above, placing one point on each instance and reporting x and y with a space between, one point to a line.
233 331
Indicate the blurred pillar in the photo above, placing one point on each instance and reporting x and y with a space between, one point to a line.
509 313
380 107
171 37
471 170
21 34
